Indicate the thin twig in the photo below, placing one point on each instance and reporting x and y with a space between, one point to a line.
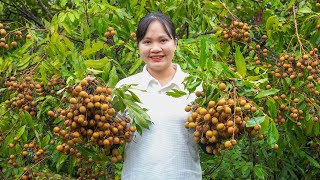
225 7
35 165
296 27
86 11
45 8
5 113
212 170
205 33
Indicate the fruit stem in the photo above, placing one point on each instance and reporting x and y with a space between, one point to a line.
296 27
234 112
225 7
34 165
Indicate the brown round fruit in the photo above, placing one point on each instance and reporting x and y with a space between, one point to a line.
222 86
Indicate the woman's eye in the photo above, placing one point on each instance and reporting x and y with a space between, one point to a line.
146 42
163 40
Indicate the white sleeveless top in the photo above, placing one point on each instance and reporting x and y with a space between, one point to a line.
165 151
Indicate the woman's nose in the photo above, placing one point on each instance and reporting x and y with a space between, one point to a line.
155 48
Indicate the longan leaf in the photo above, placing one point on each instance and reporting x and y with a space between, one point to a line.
176 93
20 131
203 54
45 141
72 163
96 64
187 59
134 96
264 125
272 108
310 159
95 48
26 117
88 153
255 120
265 93
240 62
273 134
62 158
113 77
137 113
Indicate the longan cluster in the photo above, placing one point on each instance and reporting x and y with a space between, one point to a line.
305 68
220 123
111 32
90 119
236 31
32 153
6 33
27 91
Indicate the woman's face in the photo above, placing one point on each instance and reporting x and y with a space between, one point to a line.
157 48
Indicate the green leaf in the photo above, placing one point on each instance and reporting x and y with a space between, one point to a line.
96 64
45 141
203 53
88 153
137 113
95 47
72 164
305 10
255 120
26 117
272 108
187 59
259 172
20 131
113 77
270 21
264 125
63 3
135 66
265 93
176 93
240 62
273 134
134 96
106 71
314 162
61 160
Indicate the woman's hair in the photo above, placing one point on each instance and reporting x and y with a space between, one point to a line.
155 16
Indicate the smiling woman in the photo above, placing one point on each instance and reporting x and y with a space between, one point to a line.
166 150
157 46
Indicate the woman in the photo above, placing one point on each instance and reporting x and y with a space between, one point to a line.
166 150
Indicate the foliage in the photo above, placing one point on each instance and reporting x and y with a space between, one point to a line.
266 50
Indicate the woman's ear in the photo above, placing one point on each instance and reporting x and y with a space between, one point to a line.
176 41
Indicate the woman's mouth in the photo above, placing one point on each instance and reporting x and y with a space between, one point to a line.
157 58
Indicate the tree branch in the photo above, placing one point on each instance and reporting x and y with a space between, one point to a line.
45 8
30 15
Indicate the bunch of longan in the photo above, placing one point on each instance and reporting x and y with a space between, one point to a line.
219 124
236 31
14 35
90 119
27 90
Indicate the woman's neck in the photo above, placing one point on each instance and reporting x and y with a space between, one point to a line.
164 76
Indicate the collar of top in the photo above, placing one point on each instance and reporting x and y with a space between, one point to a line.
176 80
